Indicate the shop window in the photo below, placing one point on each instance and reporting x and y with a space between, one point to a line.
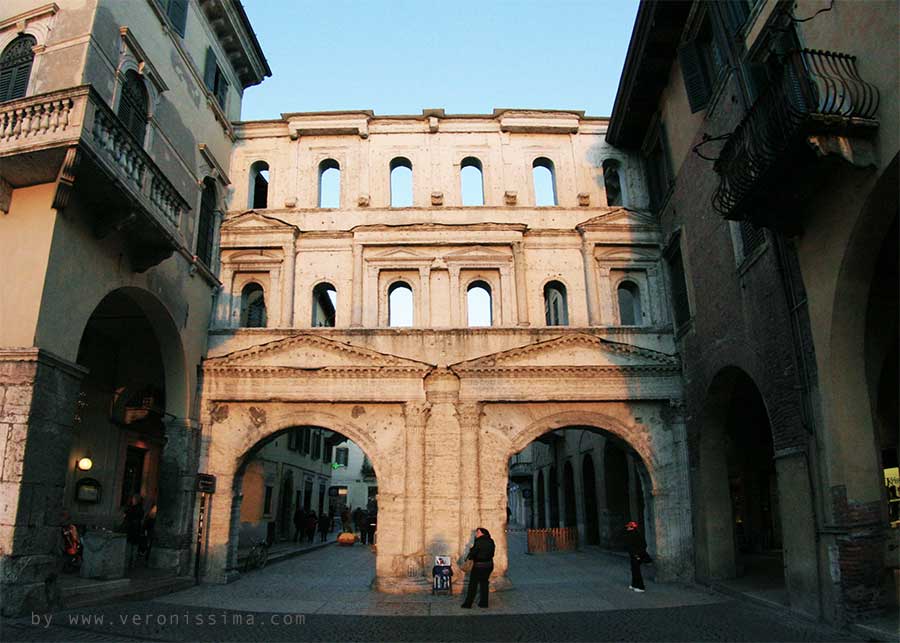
555 306
401 183
400 305
253 306
329 184
471 177
323 305
259 186
15 67
629 304
544 175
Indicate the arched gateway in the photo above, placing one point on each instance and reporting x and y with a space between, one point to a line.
440 437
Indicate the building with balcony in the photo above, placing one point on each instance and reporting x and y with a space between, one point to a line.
769 134
115 146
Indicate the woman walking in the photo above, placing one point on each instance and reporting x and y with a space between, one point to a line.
482 556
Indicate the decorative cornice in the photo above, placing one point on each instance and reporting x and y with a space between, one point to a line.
22 19
293 372
213 163
568 372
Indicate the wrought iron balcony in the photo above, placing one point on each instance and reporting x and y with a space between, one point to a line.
73 138
762 165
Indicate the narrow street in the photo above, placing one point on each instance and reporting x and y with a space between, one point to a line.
324 595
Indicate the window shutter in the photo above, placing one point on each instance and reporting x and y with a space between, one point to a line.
209 72
6 76
177 11
696 83
221 90
15 68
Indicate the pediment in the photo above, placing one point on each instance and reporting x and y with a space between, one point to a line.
402 253
254 221
573 351
476 251
619 217
307 352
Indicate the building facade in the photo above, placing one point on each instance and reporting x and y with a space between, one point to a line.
115 143
769 133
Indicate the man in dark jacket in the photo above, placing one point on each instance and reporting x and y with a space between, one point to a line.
637 554
482 556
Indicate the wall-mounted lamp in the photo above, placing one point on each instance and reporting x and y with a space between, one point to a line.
85 464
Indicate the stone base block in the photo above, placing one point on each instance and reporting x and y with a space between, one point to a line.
35 597
104 555
169 558
403 585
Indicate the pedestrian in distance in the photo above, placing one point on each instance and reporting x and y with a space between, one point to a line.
133 524
482 556
299 520
345 521
362 526
637 554
312 521
324 526
372 526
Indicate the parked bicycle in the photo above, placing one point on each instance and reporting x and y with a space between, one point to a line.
257 556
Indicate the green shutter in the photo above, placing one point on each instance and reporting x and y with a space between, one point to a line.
177 12
209 71
696 84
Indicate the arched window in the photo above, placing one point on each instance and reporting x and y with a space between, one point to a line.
471 177
613 182
253 306
323 305
15 67
133 105
401 183
206 222
630 304
555 307
259 186
400 305
329 184
478 304
544 181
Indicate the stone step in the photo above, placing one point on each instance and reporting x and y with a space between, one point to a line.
124 589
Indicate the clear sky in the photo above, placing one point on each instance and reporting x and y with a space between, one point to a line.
399 57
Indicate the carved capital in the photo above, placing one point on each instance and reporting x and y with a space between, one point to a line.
416 413
469 414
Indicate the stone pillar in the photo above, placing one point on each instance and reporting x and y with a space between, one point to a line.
506 316
356 312
175 505
455 302
521 283
416 416
424 301
288 275
469 426
38 392
605 299
222 520
225 298
590 282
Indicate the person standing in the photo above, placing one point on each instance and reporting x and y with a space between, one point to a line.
134 521
482 556
312 521
637 554
298 523
362 525
324 526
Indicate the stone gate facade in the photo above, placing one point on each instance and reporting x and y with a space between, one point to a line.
438 406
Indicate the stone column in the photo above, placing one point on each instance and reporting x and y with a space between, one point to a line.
590 281
356 312
416 417
38 393
521 282
287 293
175 504
225 298
607 316
378 310
469 415
424 320
218 562
507 315
455 308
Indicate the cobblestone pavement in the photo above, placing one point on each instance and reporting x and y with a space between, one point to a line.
325 596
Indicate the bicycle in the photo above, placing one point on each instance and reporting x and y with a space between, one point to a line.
257 556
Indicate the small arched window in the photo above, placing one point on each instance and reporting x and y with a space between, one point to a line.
471 175
613 182
401 183
329 184
15 67
479 304
324 305
544 176
133 105
259 186
206 222
630 304
400 305
556 308
253 306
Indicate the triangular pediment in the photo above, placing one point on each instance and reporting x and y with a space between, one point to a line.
619 217
254 220
402 253
572 351
312 352
475 251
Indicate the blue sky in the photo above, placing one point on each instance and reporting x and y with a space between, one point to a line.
466 57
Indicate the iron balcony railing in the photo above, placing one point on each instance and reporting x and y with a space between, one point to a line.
819 91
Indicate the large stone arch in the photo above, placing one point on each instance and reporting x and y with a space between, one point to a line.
239 431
